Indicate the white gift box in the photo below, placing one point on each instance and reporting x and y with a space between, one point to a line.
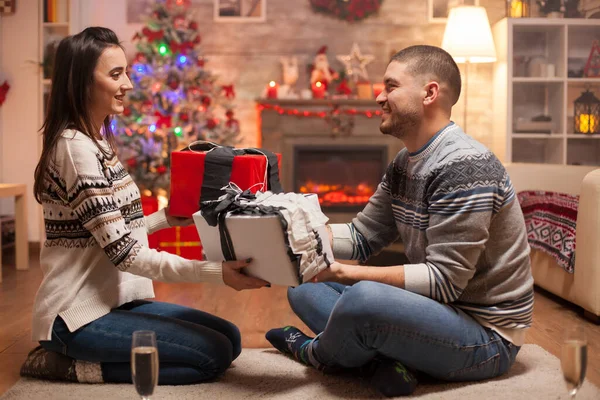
262 238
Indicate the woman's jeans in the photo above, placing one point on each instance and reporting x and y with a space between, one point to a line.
193 346
367 320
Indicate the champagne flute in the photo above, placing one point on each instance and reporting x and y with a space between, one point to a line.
144 363
573 360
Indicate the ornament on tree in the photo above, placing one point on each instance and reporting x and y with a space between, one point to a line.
231 122
228 91
151 35
320 70
211 123
173 80
179 22
355 64
140 58
147 107
175 100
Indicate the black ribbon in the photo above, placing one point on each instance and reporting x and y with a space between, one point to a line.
219 163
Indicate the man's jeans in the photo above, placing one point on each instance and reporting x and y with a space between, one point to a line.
367 320
193 346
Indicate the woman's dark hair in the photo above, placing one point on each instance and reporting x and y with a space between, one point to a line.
69 104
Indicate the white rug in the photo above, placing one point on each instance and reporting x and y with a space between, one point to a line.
266 374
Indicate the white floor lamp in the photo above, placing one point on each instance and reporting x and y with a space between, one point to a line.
468 39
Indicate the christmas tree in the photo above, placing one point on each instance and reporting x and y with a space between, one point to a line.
175 100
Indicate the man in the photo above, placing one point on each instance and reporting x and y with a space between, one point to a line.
460 309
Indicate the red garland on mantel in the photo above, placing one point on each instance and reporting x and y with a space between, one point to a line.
349 10
320 114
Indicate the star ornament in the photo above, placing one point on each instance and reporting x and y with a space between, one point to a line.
356 63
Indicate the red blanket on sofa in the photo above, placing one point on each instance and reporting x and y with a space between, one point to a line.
550 219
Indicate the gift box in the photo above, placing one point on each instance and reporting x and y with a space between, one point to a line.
182 241
197 174
150 206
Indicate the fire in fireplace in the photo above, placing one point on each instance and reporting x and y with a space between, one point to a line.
344 177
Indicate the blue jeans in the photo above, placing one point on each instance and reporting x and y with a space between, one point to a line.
193 346
367 320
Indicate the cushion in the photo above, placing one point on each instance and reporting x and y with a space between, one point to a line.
551 219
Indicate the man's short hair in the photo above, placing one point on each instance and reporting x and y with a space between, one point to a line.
432 60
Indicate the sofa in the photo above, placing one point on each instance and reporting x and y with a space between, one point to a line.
582 287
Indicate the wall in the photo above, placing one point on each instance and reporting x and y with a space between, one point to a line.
245 54
19 115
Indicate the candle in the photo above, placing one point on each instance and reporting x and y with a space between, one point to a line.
272 90
377 89
318 90
518 9
587 123
364 90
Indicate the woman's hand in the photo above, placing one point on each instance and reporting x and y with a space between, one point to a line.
177 221
235 278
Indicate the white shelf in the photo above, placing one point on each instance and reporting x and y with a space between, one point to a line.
543 22
55 25
583 80
537 136
583 136
522 79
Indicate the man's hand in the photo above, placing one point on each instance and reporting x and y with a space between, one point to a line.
177 221
348 274
332 274
234 277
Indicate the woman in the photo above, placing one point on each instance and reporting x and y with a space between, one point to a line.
96 261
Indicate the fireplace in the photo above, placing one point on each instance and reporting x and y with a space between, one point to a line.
344 177
342 159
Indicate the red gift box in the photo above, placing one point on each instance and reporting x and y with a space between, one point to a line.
183 241
150 206
187 175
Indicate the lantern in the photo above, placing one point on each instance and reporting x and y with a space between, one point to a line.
517 8
587 113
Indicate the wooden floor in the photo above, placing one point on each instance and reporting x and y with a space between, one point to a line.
252 311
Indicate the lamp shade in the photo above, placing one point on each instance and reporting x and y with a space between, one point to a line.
468 36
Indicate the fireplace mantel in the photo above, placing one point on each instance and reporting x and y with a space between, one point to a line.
282 120
320 102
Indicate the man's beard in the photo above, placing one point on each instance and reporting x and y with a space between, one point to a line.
399 124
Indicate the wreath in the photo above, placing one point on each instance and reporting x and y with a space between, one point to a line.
349 10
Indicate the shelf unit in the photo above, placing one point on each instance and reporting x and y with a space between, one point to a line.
50 35
533 77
